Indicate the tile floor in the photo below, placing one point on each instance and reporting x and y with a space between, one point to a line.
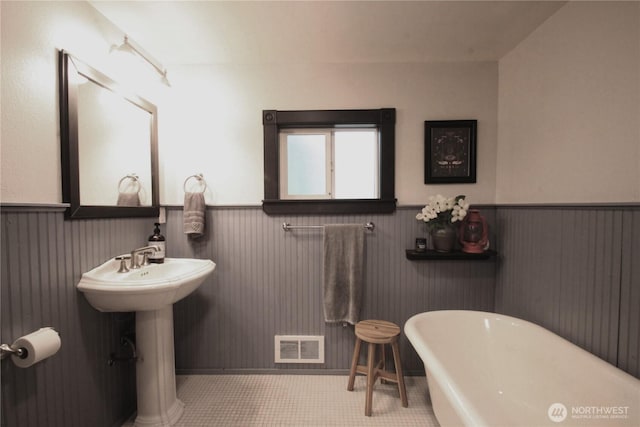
298 400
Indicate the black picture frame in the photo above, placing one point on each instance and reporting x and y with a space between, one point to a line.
450 151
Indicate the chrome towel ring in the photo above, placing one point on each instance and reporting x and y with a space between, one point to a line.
200 178
132 177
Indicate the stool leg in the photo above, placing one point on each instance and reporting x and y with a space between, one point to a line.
371 378
383 362
354 364
396 361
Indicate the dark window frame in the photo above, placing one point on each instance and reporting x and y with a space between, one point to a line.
274 120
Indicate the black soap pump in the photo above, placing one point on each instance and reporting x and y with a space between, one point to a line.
157 239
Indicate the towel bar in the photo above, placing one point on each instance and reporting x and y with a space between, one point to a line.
288 227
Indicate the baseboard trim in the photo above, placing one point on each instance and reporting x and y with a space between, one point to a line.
345 372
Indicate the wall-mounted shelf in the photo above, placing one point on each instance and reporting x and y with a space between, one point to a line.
414 255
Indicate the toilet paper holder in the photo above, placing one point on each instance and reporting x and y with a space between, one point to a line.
6 350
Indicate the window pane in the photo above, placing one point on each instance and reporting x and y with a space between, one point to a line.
306 165
356 164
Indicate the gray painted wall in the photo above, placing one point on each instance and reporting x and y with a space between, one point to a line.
43 257
268 281
558 267
575 271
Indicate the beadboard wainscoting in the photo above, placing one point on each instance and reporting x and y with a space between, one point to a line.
43 257
556 266
268 281
575 271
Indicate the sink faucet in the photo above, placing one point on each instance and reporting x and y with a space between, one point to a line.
135 252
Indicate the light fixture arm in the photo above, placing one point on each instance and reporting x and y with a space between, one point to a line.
138 50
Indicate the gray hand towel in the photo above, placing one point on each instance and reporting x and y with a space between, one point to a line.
343 272
128 199
194 214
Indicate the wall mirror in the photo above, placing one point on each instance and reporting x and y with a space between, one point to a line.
109 145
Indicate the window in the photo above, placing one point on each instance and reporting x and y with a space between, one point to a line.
329 161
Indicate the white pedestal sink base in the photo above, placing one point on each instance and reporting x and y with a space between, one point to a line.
158 404
150 291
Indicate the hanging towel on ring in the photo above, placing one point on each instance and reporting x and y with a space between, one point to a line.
194 214
343 272
128 199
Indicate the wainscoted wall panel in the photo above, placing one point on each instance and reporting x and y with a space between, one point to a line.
268 281
629 349
43 257
574 271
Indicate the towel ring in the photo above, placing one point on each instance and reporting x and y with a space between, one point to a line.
133 177
200 179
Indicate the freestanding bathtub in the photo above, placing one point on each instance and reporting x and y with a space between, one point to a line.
487 369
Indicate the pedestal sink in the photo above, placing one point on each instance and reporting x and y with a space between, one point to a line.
150 291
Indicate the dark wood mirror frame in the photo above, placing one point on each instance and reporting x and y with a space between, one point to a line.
68 94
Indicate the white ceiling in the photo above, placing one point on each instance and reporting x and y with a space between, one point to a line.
209 32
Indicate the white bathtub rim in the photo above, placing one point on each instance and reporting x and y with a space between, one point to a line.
463 408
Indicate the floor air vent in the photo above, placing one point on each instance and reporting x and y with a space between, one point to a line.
299 349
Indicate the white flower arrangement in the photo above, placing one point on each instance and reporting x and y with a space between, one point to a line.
442 210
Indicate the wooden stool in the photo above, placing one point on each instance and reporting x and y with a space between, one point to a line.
377 332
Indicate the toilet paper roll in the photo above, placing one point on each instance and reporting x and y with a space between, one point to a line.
38 345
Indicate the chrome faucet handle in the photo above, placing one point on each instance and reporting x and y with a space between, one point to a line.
123 263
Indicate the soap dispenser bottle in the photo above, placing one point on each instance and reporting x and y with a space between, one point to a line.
157 239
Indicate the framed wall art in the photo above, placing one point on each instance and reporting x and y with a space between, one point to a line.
450 151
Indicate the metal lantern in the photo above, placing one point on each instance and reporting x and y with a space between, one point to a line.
474 233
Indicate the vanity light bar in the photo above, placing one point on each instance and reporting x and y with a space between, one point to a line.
137 49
